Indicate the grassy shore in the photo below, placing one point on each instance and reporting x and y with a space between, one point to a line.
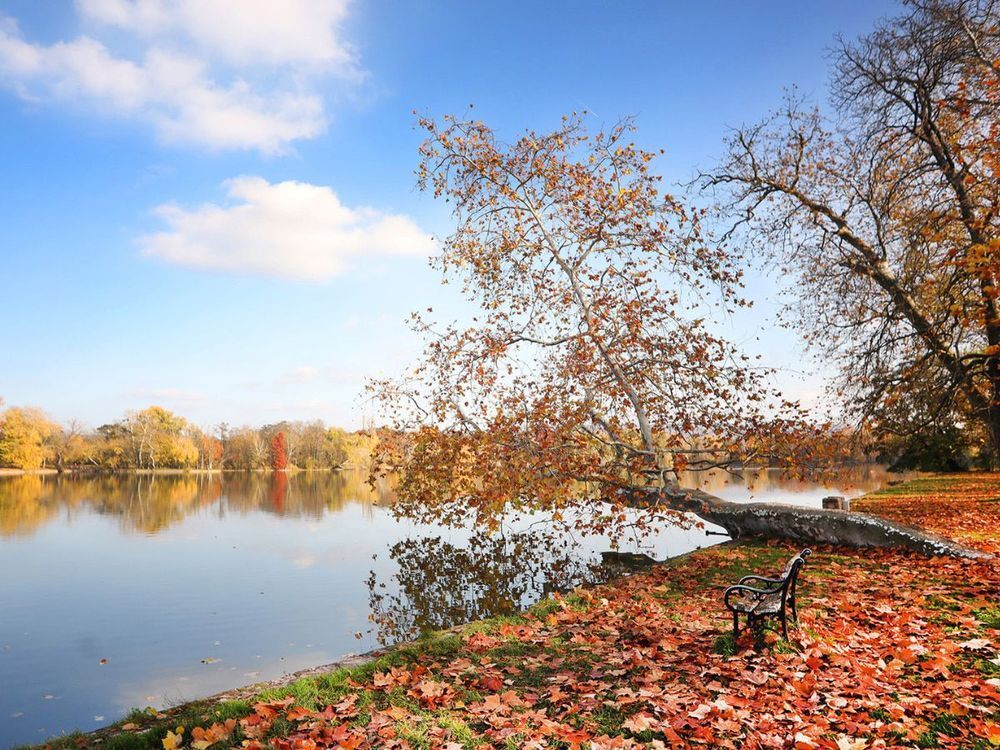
893 650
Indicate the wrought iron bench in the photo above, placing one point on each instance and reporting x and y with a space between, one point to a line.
770 600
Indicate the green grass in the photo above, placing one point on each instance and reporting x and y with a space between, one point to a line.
609 720
781 646
943 724
989 616
725 645
986 667
460 731
947 604
762 558
920 486
415 734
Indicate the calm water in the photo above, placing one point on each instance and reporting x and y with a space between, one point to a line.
189 585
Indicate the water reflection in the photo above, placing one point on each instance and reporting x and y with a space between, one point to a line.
26 503
774 485
150 503
438 584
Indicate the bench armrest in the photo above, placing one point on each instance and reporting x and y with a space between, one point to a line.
741 587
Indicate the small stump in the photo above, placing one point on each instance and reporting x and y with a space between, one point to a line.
836 502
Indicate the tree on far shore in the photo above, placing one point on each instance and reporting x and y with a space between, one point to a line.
24 436
279 458
156 438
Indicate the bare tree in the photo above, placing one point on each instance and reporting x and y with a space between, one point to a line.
66 444
887 215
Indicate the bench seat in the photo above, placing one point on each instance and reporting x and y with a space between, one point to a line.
759 604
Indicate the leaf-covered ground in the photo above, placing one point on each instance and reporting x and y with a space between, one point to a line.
894 650
964 507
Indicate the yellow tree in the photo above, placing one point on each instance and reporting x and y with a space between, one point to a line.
156 439
66 445
351 450
23 436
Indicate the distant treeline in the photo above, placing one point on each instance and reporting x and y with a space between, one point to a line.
156 438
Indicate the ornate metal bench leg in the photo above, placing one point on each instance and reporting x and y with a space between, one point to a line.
784 625
736 625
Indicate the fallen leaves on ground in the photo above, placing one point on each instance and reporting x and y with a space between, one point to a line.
963 507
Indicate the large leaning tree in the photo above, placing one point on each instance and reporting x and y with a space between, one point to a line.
590 377
887 213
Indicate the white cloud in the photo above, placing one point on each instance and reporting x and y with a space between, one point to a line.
289 229
214 73
243 32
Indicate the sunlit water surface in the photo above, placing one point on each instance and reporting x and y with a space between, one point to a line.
118 592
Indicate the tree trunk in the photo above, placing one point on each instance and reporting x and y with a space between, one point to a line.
992 368
805 525
994 432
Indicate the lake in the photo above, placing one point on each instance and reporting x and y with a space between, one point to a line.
149 590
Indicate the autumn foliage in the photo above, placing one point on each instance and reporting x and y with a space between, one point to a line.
591 363
279 454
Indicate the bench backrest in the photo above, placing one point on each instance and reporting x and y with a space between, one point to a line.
791 572
794 564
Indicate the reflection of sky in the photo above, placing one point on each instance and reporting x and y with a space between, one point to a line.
170 687
155 607
259 592
771 485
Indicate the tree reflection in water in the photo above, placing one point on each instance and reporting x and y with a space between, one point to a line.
151 503
439 584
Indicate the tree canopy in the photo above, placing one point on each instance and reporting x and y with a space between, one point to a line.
592 361
23 438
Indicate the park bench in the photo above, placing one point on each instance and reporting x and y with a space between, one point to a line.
767 600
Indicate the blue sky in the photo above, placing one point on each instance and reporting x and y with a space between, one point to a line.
214 209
